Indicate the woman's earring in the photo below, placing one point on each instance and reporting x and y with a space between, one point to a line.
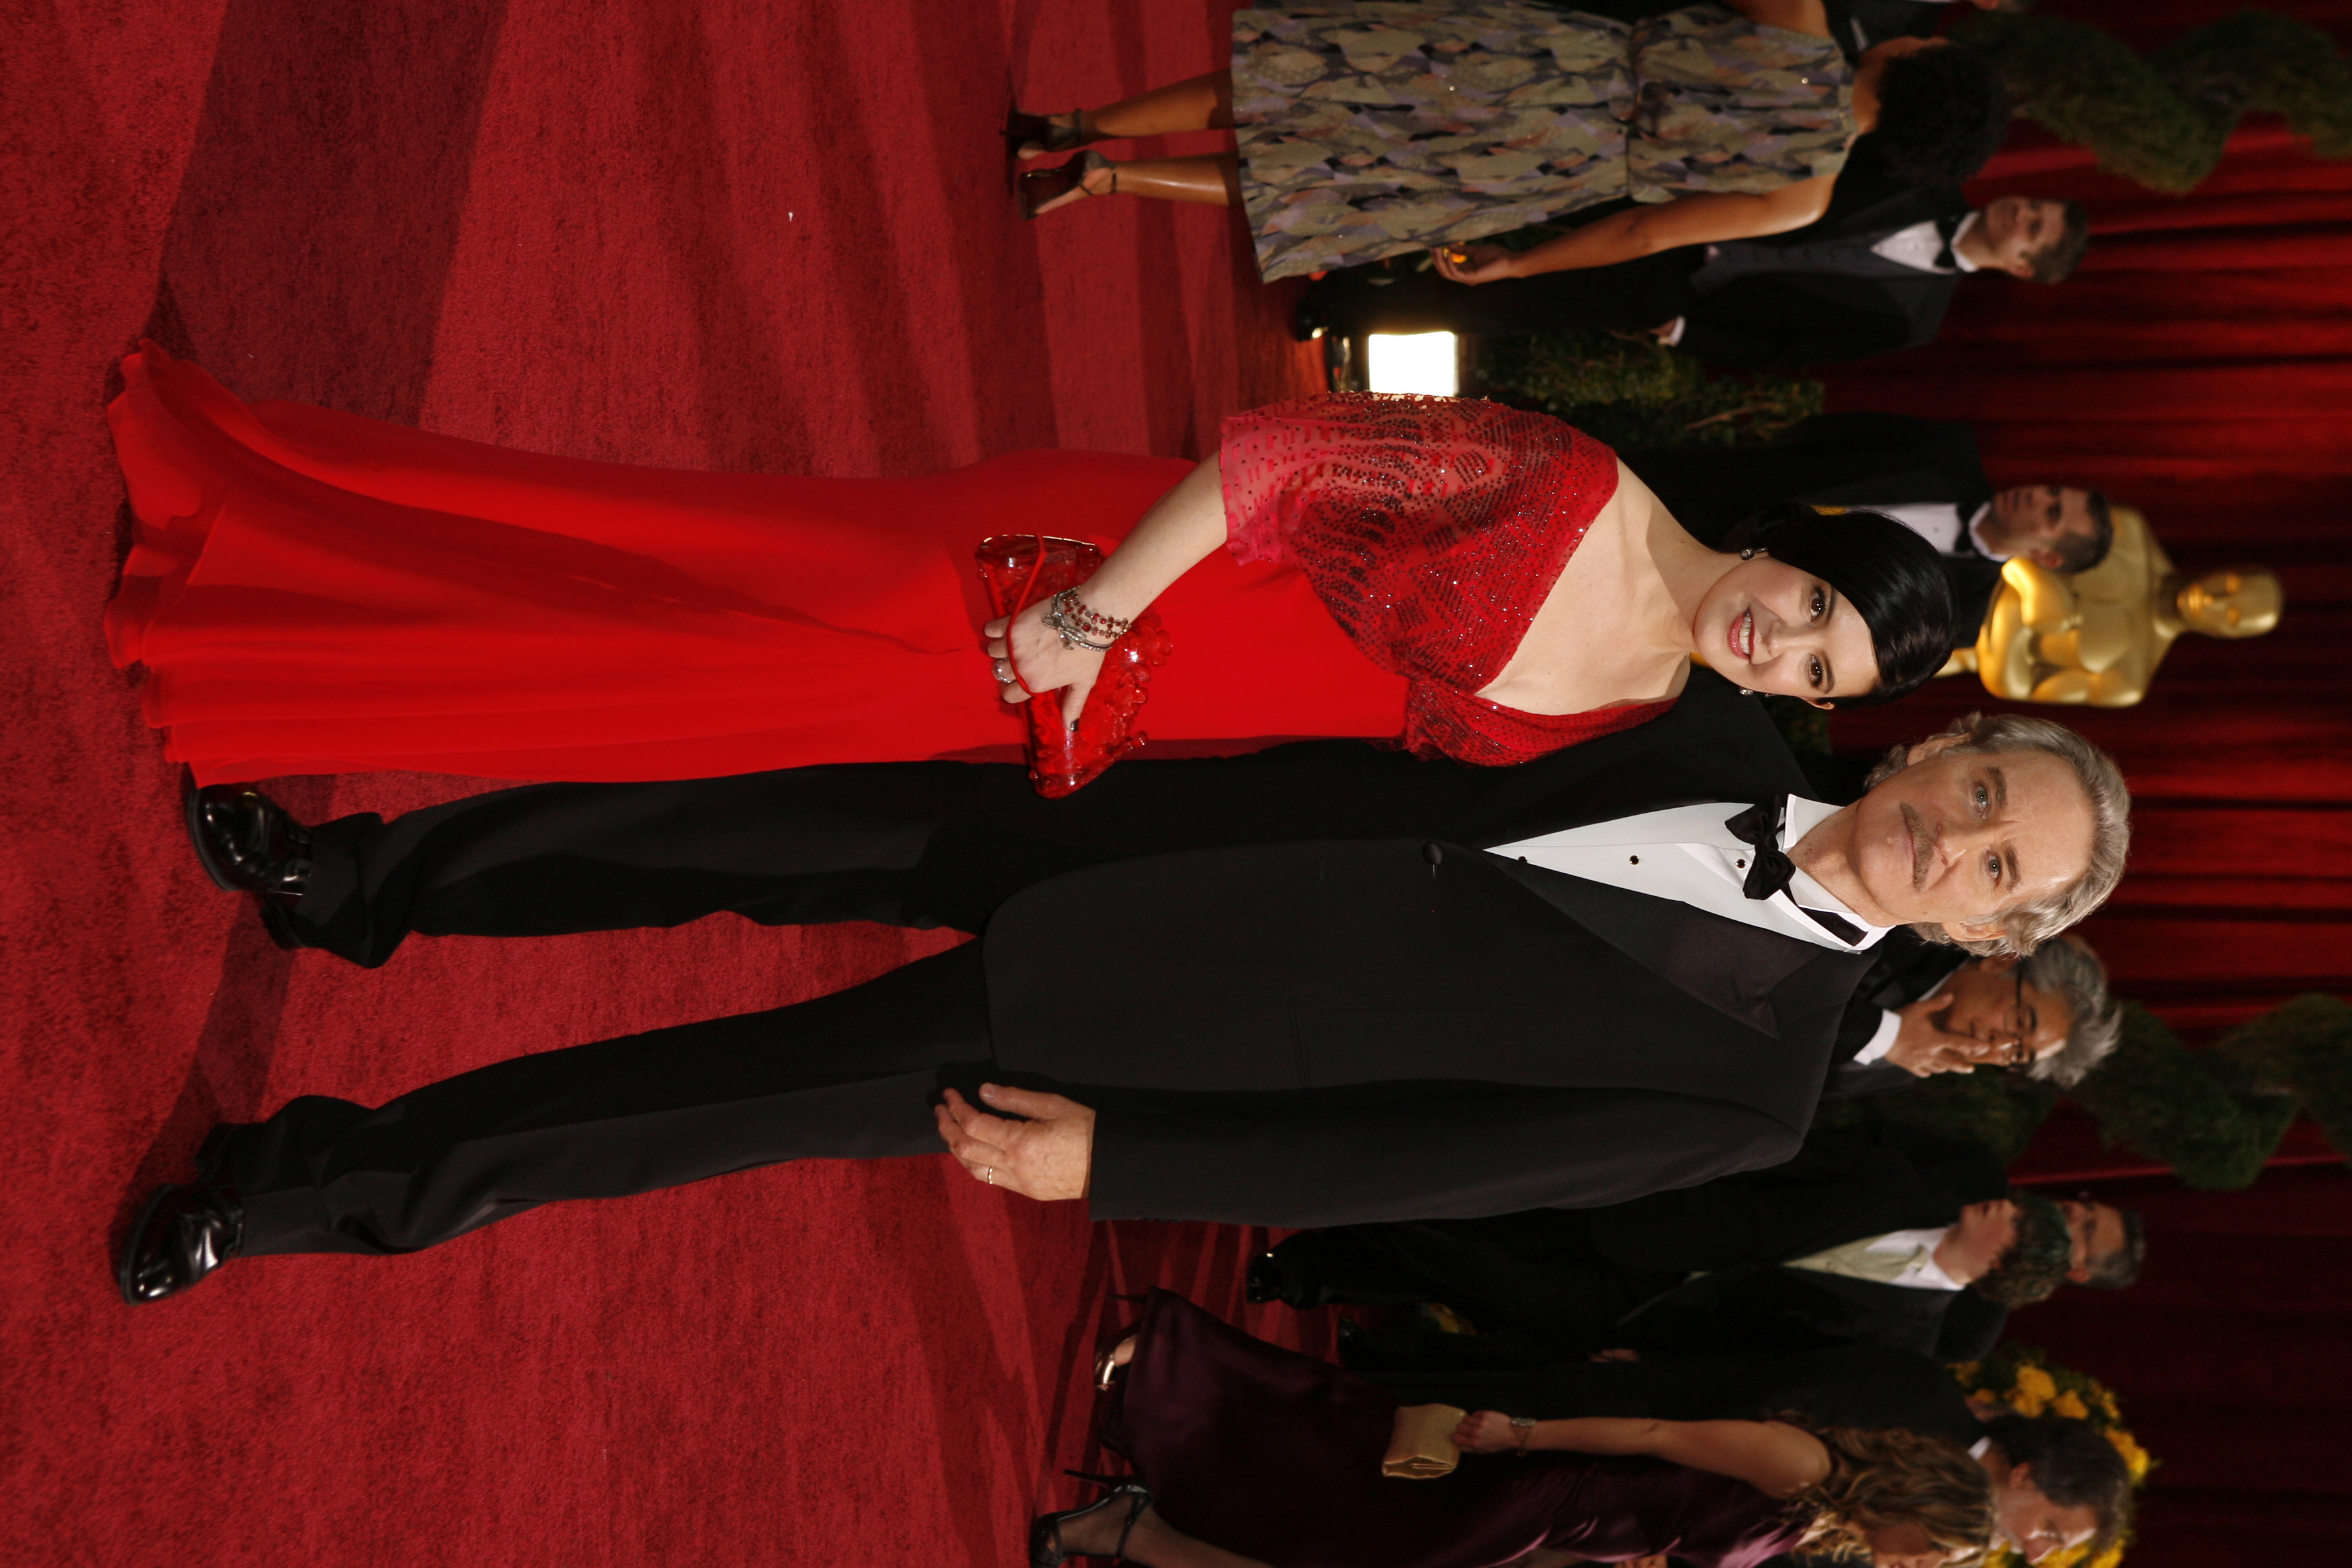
1745 692
1748 553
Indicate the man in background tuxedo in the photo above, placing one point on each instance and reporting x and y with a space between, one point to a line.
1924 473
1871 1232
2057 1481
1875 274
1922 1011
1623 981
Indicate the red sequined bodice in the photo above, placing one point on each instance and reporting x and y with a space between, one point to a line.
1432 528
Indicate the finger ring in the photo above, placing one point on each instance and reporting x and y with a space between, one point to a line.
992 1176
1004 673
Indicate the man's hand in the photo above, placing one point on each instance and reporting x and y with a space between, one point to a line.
1046 1157
1479 263
1924 1048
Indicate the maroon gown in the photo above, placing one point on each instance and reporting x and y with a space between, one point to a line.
311 592
1277 1455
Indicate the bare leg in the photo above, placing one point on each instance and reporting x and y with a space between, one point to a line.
1213 179
1203 103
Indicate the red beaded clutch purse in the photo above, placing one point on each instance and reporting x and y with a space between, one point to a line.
1019 569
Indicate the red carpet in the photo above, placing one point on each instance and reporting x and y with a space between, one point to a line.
763 237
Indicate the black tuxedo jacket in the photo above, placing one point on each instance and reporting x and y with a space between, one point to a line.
984 833
1848 1183
1905 970
1777 321
1327 1033
1838 460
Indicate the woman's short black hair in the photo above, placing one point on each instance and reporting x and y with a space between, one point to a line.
1892 577
1942 112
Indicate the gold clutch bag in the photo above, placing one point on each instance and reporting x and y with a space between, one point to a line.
1421 1444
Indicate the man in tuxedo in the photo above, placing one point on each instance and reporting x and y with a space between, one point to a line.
1558 984
1924 473
1871 1233
1925 1010
2057 1481
1875 274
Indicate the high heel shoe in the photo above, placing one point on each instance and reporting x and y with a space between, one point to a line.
1107 1366
1046 1530
1036 135
1043 190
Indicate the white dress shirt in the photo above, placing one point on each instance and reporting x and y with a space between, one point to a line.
1916 1248
1938 523
1920 245
1686 854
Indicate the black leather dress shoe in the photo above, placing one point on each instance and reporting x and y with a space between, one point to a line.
184 1234
248 842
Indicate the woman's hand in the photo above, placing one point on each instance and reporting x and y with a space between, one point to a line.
1036 651
1479 263
1486 1432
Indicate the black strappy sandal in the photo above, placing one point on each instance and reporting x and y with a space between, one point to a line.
1036 135
1046 1530
1040 188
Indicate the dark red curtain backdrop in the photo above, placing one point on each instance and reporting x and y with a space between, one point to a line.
2198 367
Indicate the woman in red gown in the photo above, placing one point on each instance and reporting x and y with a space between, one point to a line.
1247 1455
311 592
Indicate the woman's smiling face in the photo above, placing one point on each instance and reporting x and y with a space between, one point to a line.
1772 627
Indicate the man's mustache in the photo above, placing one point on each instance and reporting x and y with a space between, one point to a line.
1922 849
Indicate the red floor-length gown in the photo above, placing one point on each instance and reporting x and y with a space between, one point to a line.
312 592
1277 1456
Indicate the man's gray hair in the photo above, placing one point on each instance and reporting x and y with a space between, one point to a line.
2029 925
2068 970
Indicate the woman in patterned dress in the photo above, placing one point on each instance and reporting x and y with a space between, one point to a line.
1368 129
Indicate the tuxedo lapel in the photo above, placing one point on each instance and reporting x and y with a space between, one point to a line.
1732 967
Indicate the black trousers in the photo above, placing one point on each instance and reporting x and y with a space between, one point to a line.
848 1076
1631 297
795 846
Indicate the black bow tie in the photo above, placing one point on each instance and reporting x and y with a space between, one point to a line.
1758 827
1945 229
1768 870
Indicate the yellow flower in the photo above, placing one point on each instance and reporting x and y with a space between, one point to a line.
1965 1372
2064 1557
2035 1383
2111 1558
2070 1403
2105 1401
2136 1458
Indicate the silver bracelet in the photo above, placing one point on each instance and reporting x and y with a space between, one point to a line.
1070 619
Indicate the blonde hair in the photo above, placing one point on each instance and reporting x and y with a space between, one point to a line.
1879 1479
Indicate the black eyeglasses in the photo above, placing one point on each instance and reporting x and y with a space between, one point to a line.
2020 1028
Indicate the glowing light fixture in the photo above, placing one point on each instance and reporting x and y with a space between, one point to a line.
1414 362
